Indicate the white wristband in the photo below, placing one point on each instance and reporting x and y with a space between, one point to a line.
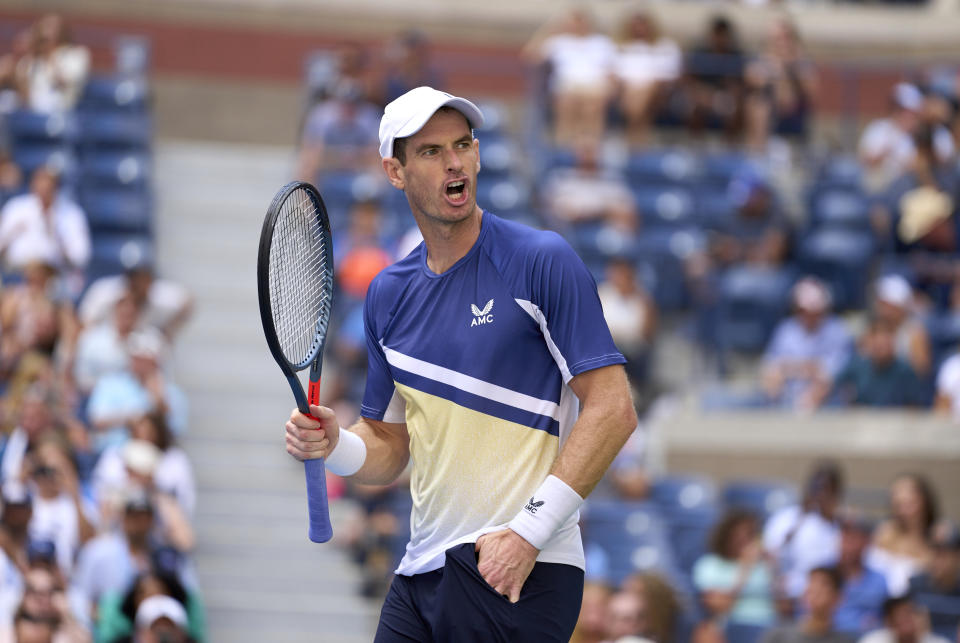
548 508
349 454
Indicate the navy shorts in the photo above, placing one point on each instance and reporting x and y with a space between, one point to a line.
455 604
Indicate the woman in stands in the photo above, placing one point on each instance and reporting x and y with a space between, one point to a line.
902 544
735 579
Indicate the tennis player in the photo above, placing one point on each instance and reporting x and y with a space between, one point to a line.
492 373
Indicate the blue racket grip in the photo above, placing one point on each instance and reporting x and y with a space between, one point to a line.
320 529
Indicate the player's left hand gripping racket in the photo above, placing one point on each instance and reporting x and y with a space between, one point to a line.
295 285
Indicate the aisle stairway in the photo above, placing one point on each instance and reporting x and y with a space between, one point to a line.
261 578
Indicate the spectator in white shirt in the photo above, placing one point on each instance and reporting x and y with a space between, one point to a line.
646 65
887 145
806 536
57 70
44 226
581 64
630 313
161 303
102 348
948 388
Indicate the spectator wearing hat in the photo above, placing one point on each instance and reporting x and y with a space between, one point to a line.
160 303
119 398
903 622
161 618
941 582
46 226
807 350
864 589
820 600
875 375
929 240
806 536
894 304
117 612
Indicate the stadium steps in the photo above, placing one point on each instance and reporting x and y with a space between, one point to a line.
260 577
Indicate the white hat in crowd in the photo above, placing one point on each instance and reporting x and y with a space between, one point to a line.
406 115
895 290
811 295
156 607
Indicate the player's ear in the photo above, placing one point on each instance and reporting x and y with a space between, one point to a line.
476 150
394 172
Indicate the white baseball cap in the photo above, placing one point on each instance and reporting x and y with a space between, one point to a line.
156 607
406 115
895 290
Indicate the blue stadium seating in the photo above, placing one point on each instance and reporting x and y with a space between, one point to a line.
840 171
114 94
743 633
32 155
719 168
114 209
944 330
839 208
121 170
759 496
25 127
498 156
505 196
664 251
118 132
944 613
632 535
664 206
752 301
688 504
842 260
661 167
114 253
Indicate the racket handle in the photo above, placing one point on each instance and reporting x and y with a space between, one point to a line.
320 529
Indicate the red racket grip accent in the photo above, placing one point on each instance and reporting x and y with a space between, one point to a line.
320 528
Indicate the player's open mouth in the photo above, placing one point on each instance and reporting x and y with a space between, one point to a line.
456 191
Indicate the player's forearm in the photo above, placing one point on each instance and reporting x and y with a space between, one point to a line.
388 451
605 423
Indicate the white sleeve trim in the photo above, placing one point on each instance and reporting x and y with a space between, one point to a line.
534 311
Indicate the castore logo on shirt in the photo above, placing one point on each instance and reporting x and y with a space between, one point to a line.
482 316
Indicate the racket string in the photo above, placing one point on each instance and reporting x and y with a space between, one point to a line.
301 278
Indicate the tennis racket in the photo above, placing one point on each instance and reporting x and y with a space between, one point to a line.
295 286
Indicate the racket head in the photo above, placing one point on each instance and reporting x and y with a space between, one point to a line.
295 278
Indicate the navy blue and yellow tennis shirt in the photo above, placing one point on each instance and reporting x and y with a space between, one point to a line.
476 361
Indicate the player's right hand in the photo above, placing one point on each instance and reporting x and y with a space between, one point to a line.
309 438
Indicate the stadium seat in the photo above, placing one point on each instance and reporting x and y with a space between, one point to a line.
505 196
664 252
661 167
121 170
944 613
839 208
664 206
30 156
132 55
632 535
944 330
27 127
720 168
115 253
842 260
761 497
743 633
752 301
713 204
498 156
688 504
114 209
115 131
113 94
839 171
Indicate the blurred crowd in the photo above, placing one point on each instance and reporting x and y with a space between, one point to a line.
687 178
96 498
